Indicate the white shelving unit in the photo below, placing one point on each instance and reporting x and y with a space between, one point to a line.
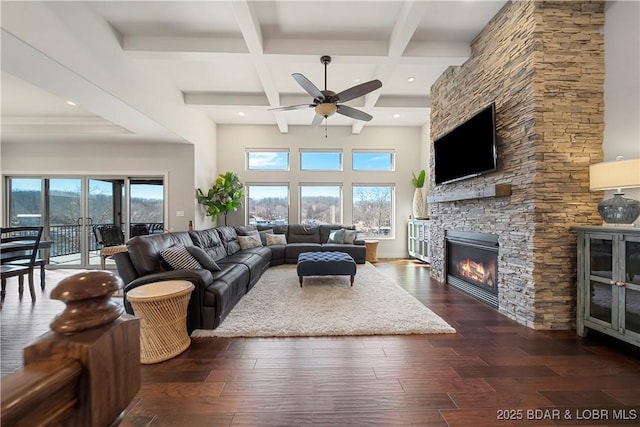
419 239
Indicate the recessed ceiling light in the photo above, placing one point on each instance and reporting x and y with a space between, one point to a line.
356 80
73 104
411 79
241 113
396 115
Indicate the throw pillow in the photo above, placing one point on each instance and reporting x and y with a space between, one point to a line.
250 241
203 258
263 235
336 236
276 239
350 236
179 258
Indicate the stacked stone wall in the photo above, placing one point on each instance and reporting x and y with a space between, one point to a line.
542 63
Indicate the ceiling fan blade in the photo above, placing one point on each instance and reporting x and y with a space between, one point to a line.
291 107
317 120
308 86
345 110
358 90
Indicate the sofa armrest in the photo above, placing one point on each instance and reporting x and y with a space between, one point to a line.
200 279
358 242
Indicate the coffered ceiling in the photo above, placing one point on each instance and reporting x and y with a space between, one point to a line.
228 61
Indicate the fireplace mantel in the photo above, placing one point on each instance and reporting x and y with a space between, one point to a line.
494 190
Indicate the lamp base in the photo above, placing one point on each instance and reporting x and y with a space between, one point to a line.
619 210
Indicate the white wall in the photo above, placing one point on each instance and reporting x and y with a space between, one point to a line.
175 161
233 141
622 85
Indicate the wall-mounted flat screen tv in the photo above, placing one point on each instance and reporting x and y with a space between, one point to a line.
468 150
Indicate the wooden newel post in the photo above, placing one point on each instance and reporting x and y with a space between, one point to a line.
93 331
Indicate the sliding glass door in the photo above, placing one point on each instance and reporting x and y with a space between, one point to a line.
70 208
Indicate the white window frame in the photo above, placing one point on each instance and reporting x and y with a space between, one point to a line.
392 219
322 184
381 151
267 184
332 151
250 151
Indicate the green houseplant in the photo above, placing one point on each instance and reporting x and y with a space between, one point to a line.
224 196
418 200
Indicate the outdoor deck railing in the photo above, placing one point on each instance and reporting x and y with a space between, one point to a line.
66 238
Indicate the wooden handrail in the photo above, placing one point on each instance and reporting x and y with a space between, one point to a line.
43 393
86 370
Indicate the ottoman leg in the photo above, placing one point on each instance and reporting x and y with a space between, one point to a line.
352 280
300 278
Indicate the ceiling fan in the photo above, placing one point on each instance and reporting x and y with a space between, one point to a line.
326 102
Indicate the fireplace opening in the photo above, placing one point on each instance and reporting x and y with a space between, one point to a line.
472 264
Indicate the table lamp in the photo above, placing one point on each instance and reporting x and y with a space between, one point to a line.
616 175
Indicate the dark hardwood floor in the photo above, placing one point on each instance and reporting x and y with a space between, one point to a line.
492 372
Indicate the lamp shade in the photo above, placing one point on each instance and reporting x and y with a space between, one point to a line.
614 175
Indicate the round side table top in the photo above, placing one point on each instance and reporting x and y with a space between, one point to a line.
160 289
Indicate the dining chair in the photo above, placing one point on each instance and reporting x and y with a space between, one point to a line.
18 251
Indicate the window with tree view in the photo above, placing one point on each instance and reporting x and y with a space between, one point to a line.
268 204
320 204
373 210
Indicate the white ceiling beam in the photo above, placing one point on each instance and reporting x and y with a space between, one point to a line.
250 29
204 99
234 99
234 50
31 65
403 30
184 44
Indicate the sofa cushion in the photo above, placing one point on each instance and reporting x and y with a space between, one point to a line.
246 230
209 241
326 229
205 260
179 258
276 239
357 252
301 233
250 241
292 250
145 250
229 239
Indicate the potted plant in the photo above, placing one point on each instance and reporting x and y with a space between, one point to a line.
418 200
225 195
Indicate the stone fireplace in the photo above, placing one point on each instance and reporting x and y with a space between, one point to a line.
472 264
542 63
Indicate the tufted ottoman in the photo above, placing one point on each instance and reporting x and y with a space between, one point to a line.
325 264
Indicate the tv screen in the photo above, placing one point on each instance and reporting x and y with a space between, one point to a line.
468 150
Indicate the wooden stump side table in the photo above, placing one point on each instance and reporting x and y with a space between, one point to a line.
372 250
162 309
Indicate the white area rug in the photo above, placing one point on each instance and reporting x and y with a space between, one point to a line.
278 307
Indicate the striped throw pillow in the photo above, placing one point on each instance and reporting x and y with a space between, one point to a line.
179 258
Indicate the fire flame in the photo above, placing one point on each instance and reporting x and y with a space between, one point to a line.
474 271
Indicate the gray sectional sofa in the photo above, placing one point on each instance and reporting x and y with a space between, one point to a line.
225 271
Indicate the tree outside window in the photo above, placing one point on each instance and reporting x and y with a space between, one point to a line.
373 210
268 204
320 204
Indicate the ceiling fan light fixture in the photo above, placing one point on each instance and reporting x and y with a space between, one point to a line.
326 109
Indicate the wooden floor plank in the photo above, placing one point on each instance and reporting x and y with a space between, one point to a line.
465 379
